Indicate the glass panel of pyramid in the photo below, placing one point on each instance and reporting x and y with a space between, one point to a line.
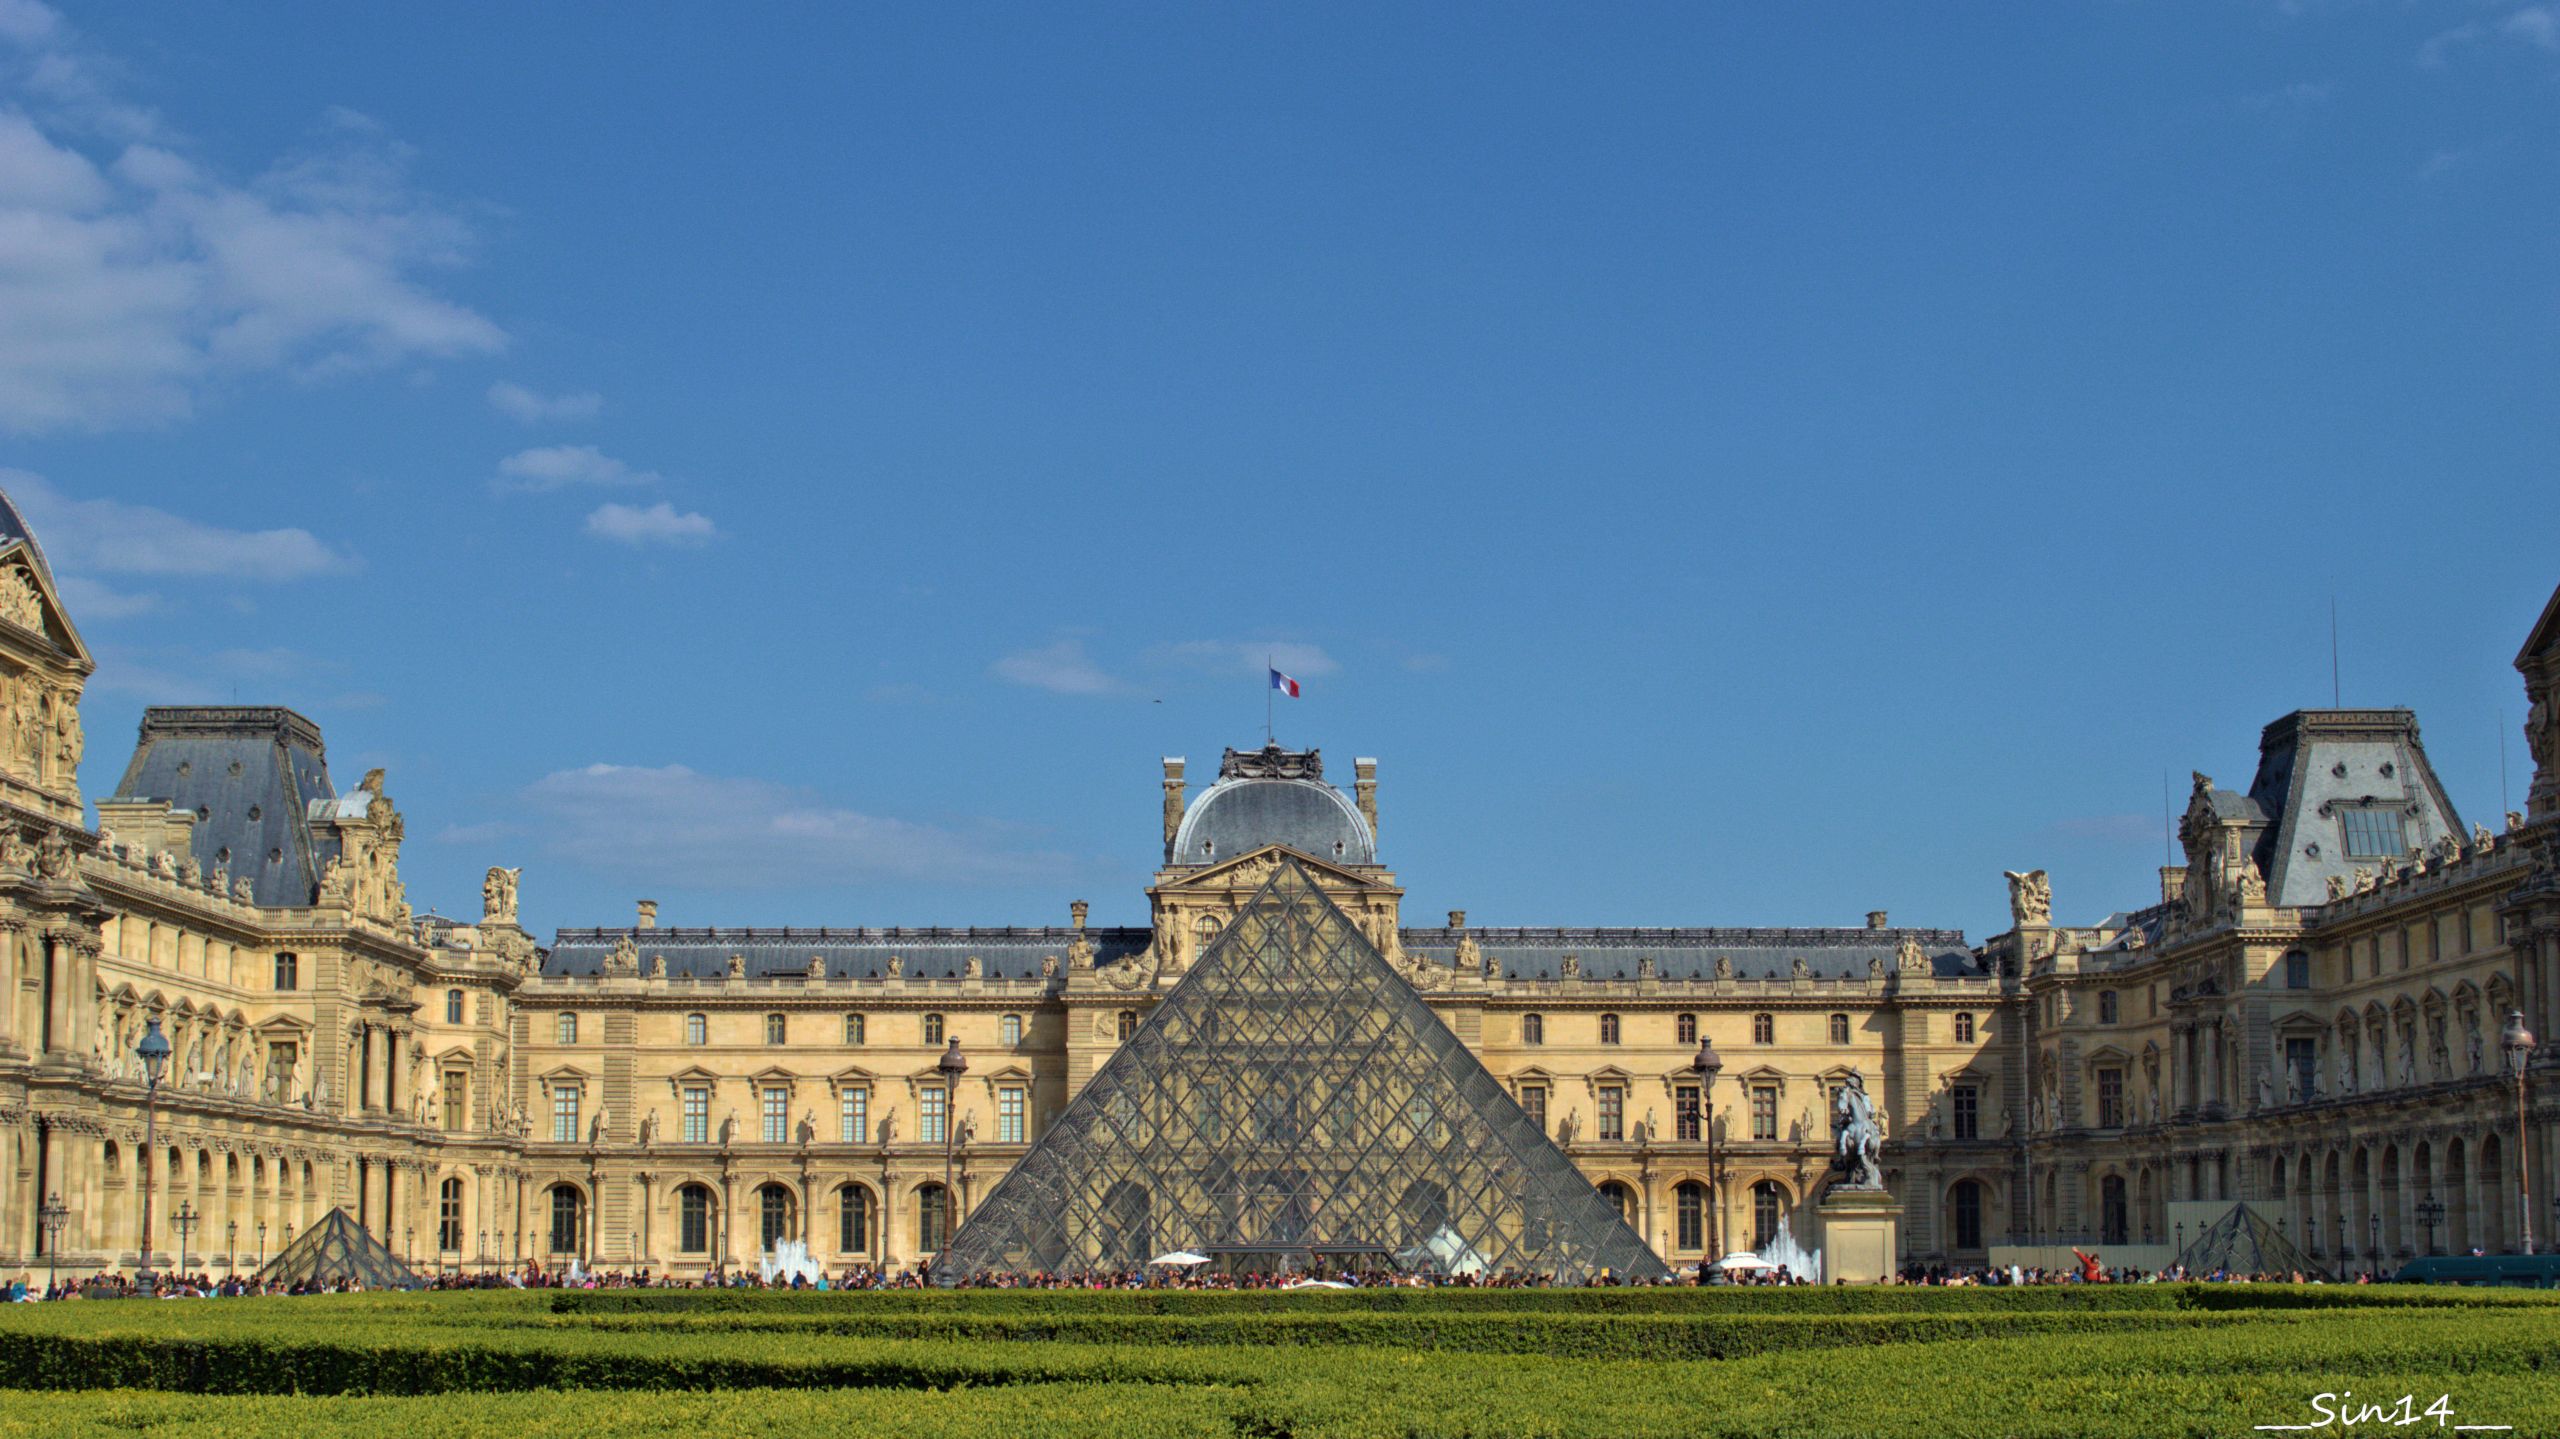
1293 1104
338 1248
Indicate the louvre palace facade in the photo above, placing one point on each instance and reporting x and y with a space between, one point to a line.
2308 1014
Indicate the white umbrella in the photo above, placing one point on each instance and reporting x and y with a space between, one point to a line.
1315 1284
1742 1261
1181 1257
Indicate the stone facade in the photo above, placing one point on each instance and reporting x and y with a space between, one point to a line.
2294 1020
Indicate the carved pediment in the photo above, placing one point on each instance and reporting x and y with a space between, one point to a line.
1250 871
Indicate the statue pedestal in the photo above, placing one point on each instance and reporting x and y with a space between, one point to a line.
1859 1234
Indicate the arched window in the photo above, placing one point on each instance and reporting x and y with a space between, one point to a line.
1128 1025
933 1029
1533 1029
565 1029
853 1223
1620 1198
932 1215
449 1216
1964 1213
693 1219
1686 1030
1964 1029
773 1213
1608 1029
697 1029
777 1029
1764 1029
1768 1210
1009 1031
1689 1202
853 1029
568 1219
1839 1029
1203 930
453 1006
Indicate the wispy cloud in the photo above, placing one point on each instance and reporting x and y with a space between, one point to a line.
135 280
1244 657
2536 26
87 538
1061 668
532 407
673 826
659 524
561 467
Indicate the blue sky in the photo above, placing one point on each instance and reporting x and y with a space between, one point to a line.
1731 464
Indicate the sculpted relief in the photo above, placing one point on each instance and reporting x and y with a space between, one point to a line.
2030 897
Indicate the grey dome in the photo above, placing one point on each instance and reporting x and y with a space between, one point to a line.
1237 816
14 530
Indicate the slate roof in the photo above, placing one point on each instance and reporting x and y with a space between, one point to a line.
1611 954
2314 763
253 776
1239 816
1007 953
14 530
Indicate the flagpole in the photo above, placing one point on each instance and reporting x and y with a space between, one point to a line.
1267 688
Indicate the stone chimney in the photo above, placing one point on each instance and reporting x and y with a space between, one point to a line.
2173 883
1364 784
1875 919
648 914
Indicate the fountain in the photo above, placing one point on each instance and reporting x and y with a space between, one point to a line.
786 1261
1782 1250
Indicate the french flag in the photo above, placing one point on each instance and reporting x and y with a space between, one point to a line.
1284 684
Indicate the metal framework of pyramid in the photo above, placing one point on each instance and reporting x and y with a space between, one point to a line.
1292 1104
2244 1242
338 1248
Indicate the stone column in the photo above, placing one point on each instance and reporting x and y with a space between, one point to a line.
60 1037
2216 1056
12 932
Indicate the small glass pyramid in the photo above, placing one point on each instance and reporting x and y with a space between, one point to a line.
338 1248
1293 1105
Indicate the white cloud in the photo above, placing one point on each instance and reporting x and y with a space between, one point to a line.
134 281
88 600
532 407
659 524
2534 25
1246 657
669 825
558 467
1061 668
111 537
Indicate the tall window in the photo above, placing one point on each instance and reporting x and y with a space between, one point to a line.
2374 833
2111 1100
1008 1114
1764 1029
1613 1112
1009 1031
566 1214
565 1029
693 1219
1685 1116
1964 1204
2297 970
449 1216
1208 1114
2113 1213
1533 1102
853 1116
1965 1102
697 1114
1533 1029
933 1215
2302 1056
1608 1029
1768 1207
1764 1111
457 1101
776 1110
2106 1006
853 1225
1690 1204
288 971
1686 1029
853 1029
1839 1029
773 1211
930 1118
777 1029
1128 1025
453 1006
1964 1029
697 1029
564 1114
1620 1198
933 1029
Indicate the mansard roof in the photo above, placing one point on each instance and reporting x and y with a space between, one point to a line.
1272 796
1006 952
1612 954
254 776
2314 763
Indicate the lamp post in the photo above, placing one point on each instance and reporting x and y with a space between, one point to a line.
2430 1214
408 1242
54 1215
262 1244
153 1050
1707 1064
230 1247
484 1249
952 1065
2373 1244
2517 1042
184 1221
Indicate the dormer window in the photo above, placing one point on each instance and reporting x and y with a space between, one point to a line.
2374 832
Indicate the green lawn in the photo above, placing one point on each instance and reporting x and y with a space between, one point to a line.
2148 1361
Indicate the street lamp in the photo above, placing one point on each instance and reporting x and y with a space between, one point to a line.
262 1244
2517 1042
230 1248
1707 1064
184 1221
2373 1245
952 1065
154 1053
2430 1214
54 1214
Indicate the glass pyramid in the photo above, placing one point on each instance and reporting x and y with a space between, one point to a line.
2245 1242
338 1248
1293 1105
